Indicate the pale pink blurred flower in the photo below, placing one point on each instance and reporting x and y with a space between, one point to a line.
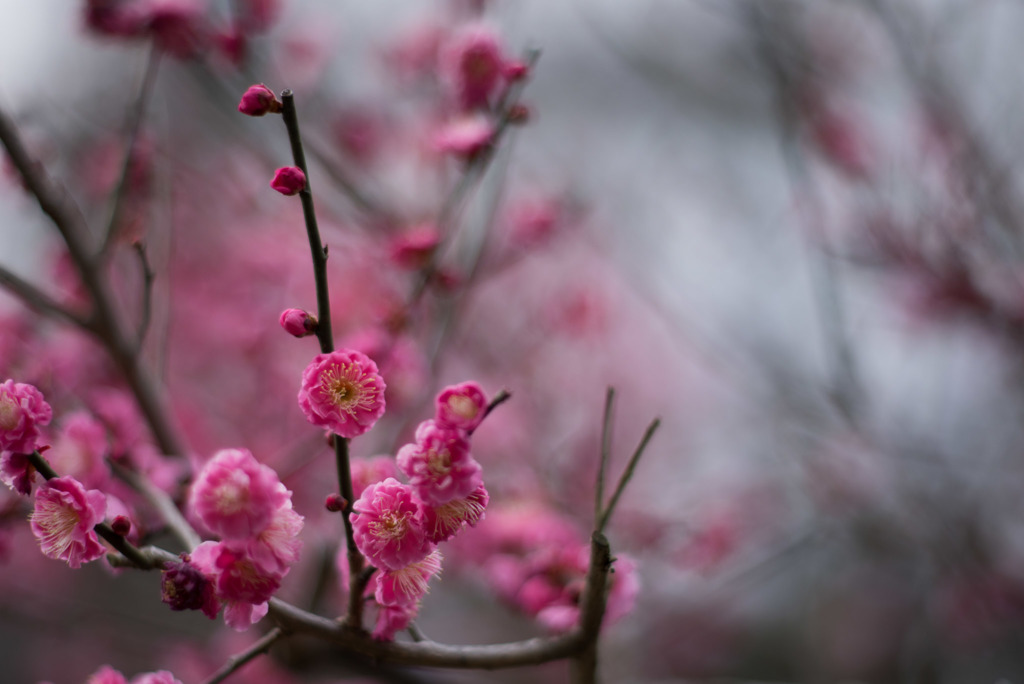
113 18
297 322
289 180
415 54
461 406
178 26
413 248
17 472
388 525
63 521
445 521
257 16
259 100
360 132
439 465
409 584
393 619
160 677
80 448
464 136
22 412
472 65
368 471
235 496
343 392
398 357
106 675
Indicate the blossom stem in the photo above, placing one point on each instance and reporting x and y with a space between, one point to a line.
606 447
236 662
627 475
355 559
135 118
126 548
317 249
499 399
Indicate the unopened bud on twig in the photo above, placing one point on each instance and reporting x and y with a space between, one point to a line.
289 180
259 100
335 503
298 322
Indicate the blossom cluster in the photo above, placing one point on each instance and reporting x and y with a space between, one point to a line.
247 506
397 526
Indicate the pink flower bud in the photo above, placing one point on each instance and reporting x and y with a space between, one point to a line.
121 526
335 503
259 100
515 70
184 587
289 180
297 322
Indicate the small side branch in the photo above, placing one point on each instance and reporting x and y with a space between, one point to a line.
606 447
627 475
147 294
236 662
39 301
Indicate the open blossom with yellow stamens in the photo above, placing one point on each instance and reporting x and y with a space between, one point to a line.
343 392
388 525
63 521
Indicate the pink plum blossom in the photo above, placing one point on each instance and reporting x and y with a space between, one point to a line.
367 471
17 472
80 448
289 180
343 392
63 521
409 584
464 136
413 248
445 521
393 619
22 412
473 66
439 465
259 100
238 583
235 496
276 548
106 675
159 677
461 406
177 26
388 525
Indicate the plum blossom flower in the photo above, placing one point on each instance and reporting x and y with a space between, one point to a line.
159 677
465 136
185 587
22 412
393 619
17 472
409 584
63 521
445 521
80 448
106 675
367 471
343 392
473 65
276 548
235 496
239 583
439 465
461 406
289 180
388 525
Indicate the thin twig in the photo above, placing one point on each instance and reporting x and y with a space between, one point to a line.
499 399
606 447
147 295
627 474
319 253
135 119
237 661
158 499
39 301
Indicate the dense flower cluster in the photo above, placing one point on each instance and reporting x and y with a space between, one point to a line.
398 526
246 504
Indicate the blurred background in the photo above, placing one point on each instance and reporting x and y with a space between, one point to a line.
792 230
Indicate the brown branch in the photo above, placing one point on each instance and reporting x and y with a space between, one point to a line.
39 301
236 662
606 447
627 474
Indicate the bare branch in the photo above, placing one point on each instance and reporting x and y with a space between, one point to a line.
627 475
39 301
236 662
